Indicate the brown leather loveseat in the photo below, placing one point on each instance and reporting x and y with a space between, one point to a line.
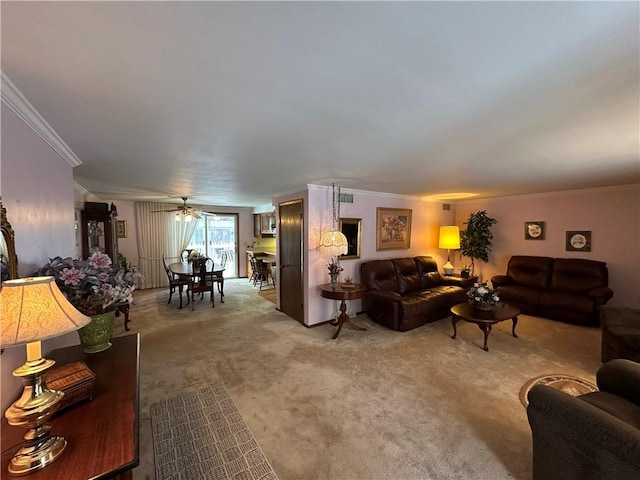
405 293
566 289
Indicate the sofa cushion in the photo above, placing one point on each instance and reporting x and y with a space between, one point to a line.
379 275
559 300
519 295
619 407
529 271
408 277
578 275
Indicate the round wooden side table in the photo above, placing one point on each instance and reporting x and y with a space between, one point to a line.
343 292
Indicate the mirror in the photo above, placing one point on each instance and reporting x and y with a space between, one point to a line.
8 258
352 228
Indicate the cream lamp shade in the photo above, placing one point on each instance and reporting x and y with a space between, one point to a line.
334 243
449 239
35 309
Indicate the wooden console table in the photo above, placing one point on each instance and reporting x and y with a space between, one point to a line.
342 292
102 433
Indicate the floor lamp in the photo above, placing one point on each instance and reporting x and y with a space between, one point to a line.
449 239
34 309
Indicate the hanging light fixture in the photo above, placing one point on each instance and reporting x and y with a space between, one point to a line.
334 242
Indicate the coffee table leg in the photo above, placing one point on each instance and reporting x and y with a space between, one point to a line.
486 329
454 320
513 329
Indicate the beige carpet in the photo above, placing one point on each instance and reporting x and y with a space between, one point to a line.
369 405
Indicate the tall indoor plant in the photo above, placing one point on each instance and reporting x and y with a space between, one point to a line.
477 239
96 289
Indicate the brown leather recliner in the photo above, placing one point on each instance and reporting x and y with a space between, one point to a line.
566 289
405 293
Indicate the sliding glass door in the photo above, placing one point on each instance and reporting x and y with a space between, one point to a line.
216 237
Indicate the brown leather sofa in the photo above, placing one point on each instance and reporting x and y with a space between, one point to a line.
566 289
405 293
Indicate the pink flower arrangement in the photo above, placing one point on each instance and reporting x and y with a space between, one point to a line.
93 286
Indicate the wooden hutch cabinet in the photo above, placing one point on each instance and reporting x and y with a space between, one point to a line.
98 222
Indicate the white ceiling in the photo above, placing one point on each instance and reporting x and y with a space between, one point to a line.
234 103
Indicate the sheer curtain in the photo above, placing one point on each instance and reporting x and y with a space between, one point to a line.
159 233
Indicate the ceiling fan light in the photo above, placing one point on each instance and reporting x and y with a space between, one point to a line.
187 218
177 217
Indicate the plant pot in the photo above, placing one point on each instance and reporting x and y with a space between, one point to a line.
483 307
464 273
96 335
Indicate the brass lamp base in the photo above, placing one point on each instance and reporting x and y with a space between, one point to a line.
32 410
31 458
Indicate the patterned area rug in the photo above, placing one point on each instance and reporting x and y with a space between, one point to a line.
572 385
201 436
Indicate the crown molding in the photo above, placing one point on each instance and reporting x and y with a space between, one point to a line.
13 98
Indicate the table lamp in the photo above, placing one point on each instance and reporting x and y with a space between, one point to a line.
34 309
449 239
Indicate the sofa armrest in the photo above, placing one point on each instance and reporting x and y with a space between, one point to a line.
384 295
455 281
620 377
573 439
501 280
601 294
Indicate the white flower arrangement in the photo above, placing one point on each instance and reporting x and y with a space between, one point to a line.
482 294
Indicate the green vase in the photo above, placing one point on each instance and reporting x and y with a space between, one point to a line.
96 335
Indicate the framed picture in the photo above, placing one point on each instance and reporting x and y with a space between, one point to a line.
393 228
352 229
534 230
121 228
578 241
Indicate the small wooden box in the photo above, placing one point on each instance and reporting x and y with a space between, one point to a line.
74 379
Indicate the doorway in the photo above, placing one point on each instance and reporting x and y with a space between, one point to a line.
216 237
291 260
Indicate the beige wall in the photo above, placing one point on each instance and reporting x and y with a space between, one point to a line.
612 215
426 220
36 186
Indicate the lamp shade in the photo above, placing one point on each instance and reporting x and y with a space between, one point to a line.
334 242
33 309
449 237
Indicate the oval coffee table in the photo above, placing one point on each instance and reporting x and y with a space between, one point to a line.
484 319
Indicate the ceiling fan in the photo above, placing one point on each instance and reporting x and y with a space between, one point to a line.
182 211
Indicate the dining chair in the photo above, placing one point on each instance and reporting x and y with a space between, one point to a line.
254 270
201 280
184 256
264 273
175 282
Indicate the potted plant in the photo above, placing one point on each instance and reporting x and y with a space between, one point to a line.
476 240
96 289
464 271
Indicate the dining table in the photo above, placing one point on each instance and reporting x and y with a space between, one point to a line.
184 270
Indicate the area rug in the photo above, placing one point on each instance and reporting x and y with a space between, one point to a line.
571 385
201 435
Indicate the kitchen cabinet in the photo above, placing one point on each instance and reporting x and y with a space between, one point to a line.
264 225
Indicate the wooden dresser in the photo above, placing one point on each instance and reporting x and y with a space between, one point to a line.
102 433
